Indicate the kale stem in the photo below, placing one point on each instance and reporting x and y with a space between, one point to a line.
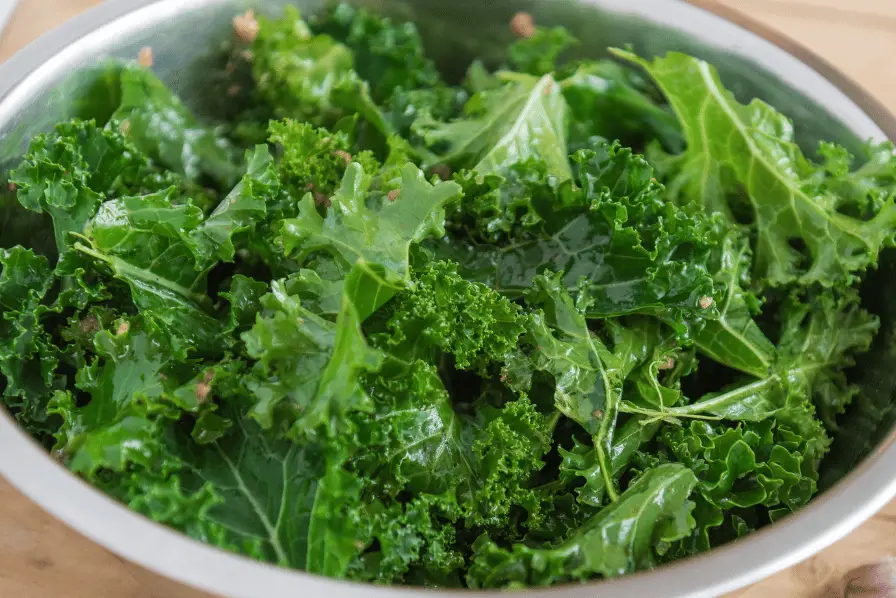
553 420
605 469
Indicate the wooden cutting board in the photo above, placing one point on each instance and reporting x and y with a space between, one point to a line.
41 558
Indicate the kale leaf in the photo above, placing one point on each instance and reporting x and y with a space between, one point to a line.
555 322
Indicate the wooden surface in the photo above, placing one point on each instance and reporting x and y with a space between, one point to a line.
41 558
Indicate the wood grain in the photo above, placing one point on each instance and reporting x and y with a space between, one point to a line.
40 557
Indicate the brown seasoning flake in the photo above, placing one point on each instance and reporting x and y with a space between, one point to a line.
122 329
202 391
443 171
89 325
523 25
12 187
346 157
705 302
322 200
393 194
233 90
245 26
667 364
144 58
597 413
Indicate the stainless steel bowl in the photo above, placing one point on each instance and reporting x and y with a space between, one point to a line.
57 78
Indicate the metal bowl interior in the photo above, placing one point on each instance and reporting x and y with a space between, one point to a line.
61 76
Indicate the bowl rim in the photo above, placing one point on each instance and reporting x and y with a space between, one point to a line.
173 555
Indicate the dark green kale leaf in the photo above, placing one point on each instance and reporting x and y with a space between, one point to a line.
442 312
537 55
309 77
415 439
828 332
145 241
387 54
308 369
247 491
68 172
28 353
412 112
496 207
238 212
734 339
583 460
748 465
127 383
159 124
621 538
313 159
377 238
588 377
638 252
418 536
819 338
606 99
244 296
654 365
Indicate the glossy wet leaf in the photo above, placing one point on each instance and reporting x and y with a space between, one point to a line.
619 539
523 119
754 146
159 124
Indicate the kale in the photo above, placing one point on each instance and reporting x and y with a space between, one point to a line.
560 321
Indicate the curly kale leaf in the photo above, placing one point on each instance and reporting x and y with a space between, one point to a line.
496 208
130 395
309 77
28 354
239 211
734 339
819 339
155 120
309 369
525 118
584 461
745 466
67 174
444 312
588 376
377 238
145 241
418 536
752 146
638 252
313 159
826 333
537 55
246 491
388 54
607 99
653 365
621 538
426 446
